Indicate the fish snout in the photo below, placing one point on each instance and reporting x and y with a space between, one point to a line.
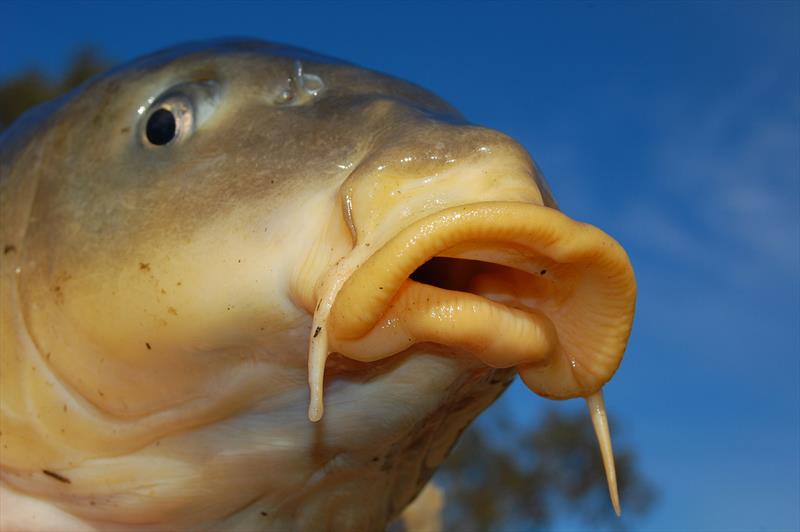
464 247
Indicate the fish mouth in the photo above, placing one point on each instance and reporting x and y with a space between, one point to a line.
515 284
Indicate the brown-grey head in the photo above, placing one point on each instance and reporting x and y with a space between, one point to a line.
202 242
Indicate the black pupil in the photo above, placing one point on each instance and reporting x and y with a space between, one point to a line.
161 127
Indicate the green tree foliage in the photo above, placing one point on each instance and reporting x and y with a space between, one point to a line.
522 478
524 481
31 87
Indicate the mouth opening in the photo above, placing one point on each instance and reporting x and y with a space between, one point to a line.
502 284
447 273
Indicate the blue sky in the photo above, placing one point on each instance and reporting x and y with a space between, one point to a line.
673 126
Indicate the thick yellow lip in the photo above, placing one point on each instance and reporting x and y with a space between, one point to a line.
573 287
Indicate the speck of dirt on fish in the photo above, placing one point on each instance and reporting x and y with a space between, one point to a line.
179 283
172 311
144 266
148 345
60 478
124 130
163 291
8 248
59 294
264 514
316 332
542 272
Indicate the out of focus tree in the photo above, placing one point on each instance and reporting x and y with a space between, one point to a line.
530 476
31 87
522 483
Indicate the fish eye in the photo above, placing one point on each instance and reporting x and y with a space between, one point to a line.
170 119
161 127
176 114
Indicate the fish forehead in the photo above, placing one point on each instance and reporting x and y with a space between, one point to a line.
249 148
250 156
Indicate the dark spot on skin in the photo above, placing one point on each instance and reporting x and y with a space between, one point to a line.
316 333
367 244
65 407
380 288
101 393
494 381
240 260
172 311
271 181
264 514
148 345
47 356
178 283
60 478
124 130
163 291
9 249
92 503
542 272
144 266
375 458
59 294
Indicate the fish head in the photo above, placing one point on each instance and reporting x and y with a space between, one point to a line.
205 240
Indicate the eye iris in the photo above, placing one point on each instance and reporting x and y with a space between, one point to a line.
161 127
